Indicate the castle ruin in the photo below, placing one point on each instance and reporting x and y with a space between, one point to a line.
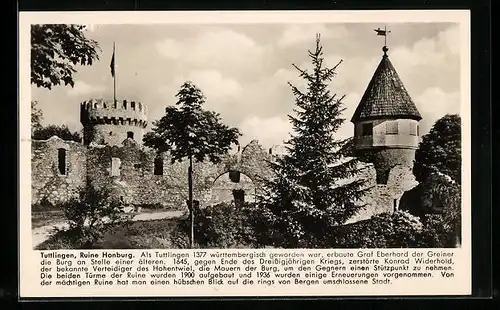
112 155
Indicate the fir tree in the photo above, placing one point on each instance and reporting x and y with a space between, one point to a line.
311 190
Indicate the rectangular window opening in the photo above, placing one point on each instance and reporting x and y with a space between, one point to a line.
367 129
158 166
413 129
391 128
61 158
115 166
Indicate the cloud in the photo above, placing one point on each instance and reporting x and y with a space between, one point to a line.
83 88
268 131
298 34
433 104
222 48
169 48
212 83
435 60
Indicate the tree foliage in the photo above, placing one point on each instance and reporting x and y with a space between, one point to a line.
227 225
91 214
187 130
385 230
36 117
55 50
440 150
63 132
306 196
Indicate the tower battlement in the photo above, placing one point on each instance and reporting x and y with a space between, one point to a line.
99 111
108 122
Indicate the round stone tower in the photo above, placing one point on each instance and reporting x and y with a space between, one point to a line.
112 123
386 120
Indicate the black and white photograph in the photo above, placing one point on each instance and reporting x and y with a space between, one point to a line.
246 135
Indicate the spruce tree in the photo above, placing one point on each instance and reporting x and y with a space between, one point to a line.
313 190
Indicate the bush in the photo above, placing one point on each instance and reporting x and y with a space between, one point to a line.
225 226
90 216
438 232
397 230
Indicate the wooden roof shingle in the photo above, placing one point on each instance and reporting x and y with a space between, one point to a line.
385 96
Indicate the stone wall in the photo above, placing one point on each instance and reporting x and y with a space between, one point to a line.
129 171
47 181
381 198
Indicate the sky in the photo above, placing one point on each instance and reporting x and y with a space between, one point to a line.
244 70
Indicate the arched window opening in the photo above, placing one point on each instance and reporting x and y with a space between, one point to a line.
61 159
130 134
158 166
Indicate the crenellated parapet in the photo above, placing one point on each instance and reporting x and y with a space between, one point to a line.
99 111
112 123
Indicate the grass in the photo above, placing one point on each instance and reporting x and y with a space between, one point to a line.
40 219
152 234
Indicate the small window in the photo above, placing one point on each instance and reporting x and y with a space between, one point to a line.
61 159
413 129
391 128
115 166
367 129
158 168
132 105
130 134
124 104
234 176
382 177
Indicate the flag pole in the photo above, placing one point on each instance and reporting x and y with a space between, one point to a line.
114 75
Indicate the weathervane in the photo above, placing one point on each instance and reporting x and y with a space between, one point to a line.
383 32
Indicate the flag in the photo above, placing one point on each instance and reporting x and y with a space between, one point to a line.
112 65
381 32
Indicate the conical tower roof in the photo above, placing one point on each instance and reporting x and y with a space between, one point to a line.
385 96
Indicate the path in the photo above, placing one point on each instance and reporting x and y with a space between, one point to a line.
41 234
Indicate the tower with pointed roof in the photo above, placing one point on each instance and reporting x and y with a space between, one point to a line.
386 121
